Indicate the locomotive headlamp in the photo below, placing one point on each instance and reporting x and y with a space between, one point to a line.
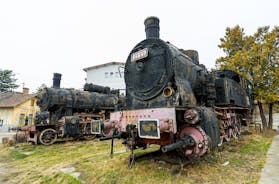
96 127
149 128
141 54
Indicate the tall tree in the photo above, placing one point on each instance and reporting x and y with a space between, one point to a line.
255 57
7 80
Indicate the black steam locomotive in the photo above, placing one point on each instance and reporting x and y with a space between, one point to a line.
72 113
174 102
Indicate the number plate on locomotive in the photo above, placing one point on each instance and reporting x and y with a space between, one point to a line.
141 54
149 128
96 127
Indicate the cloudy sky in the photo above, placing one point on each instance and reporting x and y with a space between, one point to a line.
38 38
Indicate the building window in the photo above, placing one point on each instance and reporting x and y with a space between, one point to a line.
1 122
122 75
32 102
30 119
21 119
111 74
106 74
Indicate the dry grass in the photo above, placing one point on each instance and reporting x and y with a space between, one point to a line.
246 157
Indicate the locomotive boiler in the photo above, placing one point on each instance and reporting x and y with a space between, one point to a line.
72 113
66 102
174 102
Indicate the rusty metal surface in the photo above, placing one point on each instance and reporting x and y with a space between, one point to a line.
165 139
230 122
166 117
70 112
200 138
49 98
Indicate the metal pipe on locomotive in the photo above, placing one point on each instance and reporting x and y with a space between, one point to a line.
174 102
72 113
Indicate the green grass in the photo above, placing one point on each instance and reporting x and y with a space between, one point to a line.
60 178
258 146
14 154
246 157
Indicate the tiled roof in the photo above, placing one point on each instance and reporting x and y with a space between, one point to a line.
12 99
102 65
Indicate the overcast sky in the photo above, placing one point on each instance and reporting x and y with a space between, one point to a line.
38 38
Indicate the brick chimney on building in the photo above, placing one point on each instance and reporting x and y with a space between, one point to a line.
25 91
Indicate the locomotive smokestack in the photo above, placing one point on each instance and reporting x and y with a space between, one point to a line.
56 80
152 28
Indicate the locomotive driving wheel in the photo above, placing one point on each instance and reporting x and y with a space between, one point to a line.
230 125
48 136
228 134
237 127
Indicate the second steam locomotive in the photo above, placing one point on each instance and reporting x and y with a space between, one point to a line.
72 113
174 102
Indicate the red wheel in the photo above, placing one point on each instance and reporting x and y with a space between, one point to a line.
201 141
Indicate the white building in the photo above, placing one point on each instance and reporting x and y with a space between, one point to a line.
108 74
